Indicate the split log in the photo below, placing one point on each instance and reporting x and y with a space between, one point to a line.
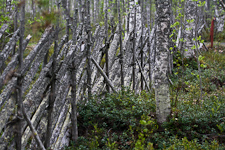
33 53
63 130
104 75
36 63
8 48
32 128
27 62
128 55
60 100
65 140
5 95
35 95
59 123
3 28
60 46
96 53
67 61
9 70
112 57
35 120
113 48
6 111
222 4
41 128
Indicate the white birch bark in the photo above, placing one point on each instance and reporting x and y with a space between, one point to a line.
189 28
162 94
219 19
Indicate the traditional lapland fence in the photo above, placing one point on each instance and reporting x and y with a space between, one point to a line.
77 70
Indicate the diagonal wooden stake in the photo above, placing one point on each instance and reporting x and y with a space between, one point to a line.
103 74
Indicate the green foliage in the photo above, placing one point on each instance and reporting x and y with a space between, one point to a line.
127 120
184 144
116 121
116 111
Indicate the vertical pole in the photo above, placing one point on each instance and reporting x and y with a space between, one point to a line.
134 50
121 45
88 27
20 78
106 44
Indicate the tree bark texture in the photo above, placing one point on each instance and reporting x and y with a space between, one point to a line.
190 28
162 94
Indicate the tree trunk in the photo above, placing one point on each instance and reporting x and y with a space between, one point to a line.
88 30
106 44
190 28
141 41
19 81
134 50
121 46
162 94
52 95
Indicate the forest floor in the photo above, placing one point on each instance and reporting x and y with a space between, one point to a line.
127 120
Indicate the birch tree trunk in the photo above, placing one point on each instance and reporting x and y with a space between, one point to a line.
190 28
162 94
219 18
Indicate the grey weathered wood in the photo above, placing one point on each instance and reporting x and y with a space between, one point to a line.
99 83
141 42
27 62
222 4
106 44
134 51
121 47
8 48
33 53
61 94
9 71
60 46
63 130
96 54
67 61
59 123
52 95
34 97
146 83
39 88
3 28
7 107
88 30
35 134
19 99
41 130
127 46
35 65
104 75
35 120
113 48
73 84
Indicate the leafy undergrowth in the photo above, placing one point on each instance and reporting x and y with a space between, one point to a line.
128 121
